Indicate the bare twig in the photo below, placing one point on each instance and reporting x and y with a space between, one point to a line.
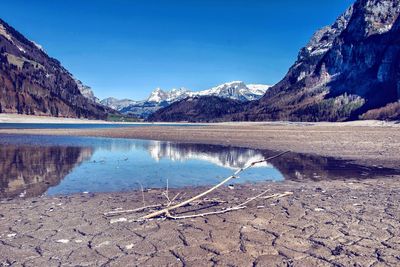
253 198
278 195
173 199
206 200
117 212
168 215
141 188
235 175
167 191
166 195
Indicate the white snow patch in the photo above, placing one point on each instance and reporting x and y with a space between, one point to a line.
38 45
319 51
385 28
21 49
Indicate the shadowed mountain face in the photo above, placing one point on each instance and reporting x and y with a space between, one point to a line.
303 167
33 83
29 171
197 109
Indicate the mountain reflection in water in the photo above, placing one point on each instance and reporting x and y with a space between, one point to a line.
30 171
33 165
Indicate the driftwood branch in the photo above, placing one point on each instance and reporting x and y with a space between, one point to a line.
167 210
238 207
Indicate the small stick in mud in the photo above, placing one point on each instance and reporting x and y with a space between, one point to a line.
167 210
173 199
166 195
141 189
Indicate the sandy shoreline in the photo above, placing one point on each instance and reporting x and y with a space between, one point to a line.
325 223
19 118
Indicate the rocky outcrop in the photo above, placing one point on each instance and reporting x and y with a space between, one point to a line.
33 83
87 91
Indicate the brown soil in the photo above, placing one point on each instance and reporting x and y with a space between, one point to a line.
337 222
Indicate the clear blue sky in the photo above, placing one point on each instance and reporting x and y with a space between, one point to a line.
126 48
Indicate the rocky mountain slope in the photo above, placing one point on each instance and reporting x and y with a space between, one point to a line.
33 83
159 98
349 70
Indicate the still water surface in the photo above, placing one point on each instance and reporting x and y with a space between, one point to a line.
65 165
34 165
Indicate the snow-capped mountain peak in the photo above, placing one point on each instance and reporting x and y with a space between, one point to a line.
237 90
178 94
158 95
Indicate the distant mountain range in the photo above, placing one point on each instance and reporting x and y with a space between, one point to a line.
33 83
159 98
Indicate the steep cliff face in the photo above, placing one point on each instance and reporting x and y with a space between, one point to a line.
33 83
346 70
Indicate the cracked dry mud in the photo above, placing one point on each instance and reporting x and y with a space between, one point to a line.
327 223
